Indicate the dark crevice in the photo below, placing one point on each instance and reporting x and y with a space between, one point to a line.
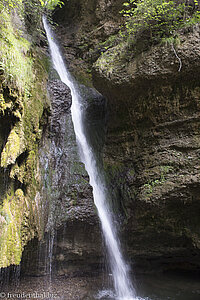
7 96
4 182
9 275
22 157
183 148
179 122
19 185
15 103
5 128
44 121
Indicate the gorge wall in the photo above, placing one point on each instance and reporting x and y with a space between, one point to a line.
72 243
151 152
23 106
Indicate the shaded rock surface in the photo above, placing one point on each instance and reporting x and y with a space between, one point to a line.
151 153
154 121
65 175
89 24
72 244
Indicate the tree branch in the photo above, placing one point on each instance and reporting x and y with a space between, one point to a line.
180 62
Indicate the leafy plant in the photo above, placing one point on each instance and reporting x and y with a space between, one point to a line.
158 18
16 63
45 4
51 4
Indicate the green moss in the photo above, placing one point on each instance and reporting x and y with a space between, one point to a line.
73 198
18 172
16 64
14 147
150 187
3 105
113 167
11 216
112 60
83 75
23 76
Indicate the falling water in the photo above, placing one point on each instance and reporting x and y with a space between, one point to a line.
123 287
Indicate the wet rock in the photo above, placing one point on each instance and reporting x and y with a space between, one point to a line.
152 148
151 152
23 99
60 105
72 226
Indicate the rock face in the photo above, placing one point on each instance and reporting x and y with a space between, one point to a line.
151 148
44 186
89 24
23 101
154 121
151 152
72 244
67 190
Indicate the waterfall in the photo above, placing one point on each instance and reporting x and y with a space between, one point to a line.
122 283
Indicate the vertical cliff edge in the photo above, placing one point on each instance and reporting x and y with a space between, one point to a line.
23 106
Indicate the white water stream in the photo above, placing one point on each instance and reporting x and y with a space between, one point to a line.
122 283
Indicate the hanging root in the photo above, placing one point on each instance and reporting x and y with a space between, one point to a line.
180 62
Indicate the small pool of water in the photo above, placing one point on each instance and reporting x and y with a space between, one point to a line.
151 287
169 287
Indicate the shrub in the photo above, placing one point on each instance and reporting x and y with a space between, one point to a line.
158 18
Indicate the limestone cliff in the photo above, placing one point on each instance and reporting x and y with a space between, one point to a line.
72 225
23 100
154 120
151 150
151 153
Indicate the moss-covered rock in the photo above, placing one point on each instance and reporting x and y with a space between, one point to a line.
23 99
12 213
92 29
15 146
